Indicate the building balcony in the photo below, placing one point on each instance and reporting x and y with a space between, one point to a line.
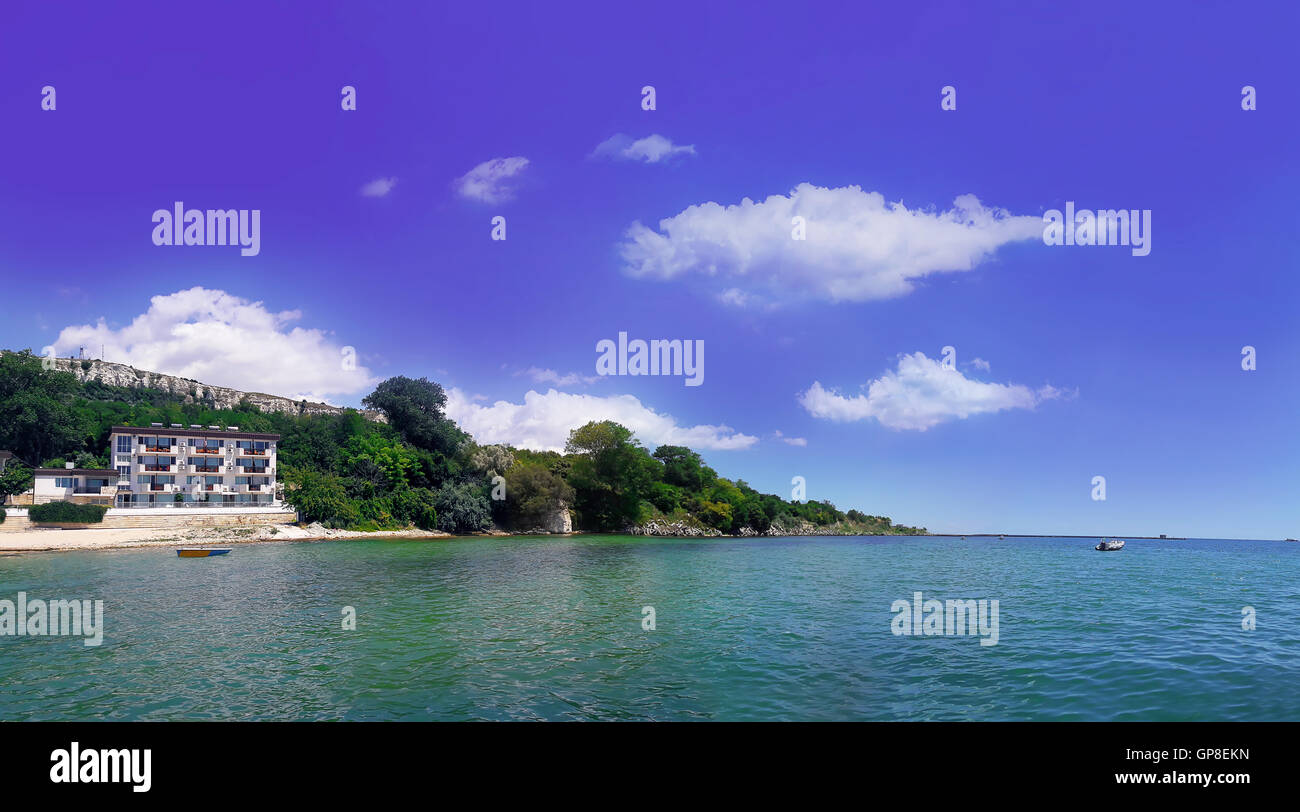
157 468
210 451
157 449
205 469
249 452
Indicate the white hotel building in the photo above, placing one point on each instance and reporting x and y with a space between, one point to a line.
193 467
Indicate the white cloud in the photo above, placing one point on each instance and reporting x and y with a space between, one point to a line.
857 246
378 187
922 393
223 340
795 441
652 149
735 297
492 181
543 421
552 377
980 363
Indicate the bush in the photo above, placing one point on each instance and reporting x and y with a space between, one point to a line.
375 513
68 512
416 506
462 508
4 514
750 514
320 498
716 515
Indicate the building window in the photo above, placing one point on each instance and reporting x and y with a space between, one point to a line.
123 444
63 482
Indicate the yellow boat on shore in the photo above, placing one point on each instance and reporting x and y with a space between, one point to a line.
200 552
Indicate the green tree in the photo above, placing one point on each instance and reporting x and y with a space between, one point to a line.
750 514
320 497
37 420
415 408
533 493
666 498
373 452
16 479
717 515
684 468
611 474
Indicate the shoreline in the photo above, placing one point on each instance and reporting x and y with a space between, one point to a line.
93 539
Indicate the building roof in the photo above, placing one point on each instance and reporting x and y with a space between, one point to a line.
107 473
206 433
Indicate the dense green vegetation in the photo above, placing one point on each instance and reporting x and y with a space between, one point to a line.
67 512
417 469
17 477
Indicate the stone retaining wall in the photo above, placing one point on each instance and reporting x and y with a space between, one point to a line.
116 519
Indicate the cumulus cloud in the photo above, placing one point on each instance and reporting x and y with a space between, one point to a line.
980 363
378 187
492 181
652 149
552 377
223 340
543 421
795 441
856 248
921 393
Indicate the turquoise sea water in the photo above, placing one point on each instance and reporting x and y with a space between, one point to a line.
551 628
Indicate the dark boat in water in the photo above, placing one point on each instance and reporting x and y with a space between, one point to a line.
1108 545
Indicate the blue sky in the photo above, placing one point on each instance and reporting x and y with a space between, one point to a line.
1092 362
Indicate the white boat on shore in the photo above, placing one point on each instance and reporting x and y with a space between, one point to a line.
1107 545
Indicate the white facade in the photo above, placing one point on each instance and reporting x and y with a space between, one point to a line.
193 467
62 484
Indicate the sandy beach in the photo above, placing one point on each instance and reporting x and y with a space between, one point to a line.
44 540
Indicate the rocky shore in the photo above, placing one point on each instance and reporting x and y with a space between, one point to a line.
45 539
679 529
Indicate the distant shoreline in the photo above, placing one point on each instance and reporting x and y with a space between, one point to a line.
92 539
1067 536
